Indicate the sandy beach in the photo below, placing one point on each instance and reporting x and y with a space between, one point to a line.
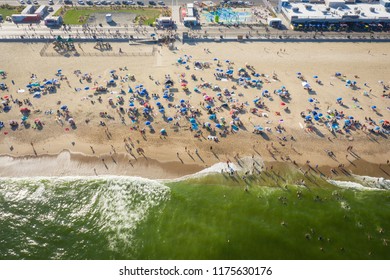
63 150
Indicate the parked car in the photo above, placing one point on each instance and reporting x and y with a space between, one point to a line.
68 2
51 2
28 2
22 2
50 9
81 2
161 3
152 3
140 3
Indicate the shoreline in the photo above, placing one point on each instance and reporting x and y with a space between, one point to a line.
68 163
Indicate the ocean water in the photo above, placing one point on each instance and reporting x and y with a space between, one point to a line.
210 217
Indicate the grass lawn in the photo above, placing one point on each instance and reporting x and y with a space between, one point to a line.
6 10
80 16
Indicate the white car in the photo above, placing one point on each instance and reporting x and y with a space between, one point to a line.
161 3
35 2
22 2
81 2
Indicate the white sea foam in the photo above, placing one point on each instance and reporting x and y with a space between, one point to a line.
116 204
374 182
246 164
352 185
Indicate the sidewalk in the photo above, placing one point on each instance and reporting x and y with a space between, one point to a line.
176 15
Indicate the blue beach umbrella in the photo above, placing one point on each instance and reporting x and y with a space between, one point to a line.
131 104
311 100
86 88
182 101
162 110
170 119
339 99
373 107
147 123
192 120
315 77
64 107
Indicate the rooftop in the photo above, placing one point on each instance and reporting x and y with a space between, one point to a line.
361 11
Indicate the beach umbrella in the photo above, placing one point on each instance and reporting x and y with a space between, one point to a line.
169 119
152 35
35 84
305 84
158 104
377 128
207 124
315 77
48 82
37 120
308 117
86 88
256 100
64 107
147 123
165 96
282 103
182 101
299 73
227 61
339 99
351 117
24 118
208 106
320 115
163 131
6 97
112 71
311 100
131 104
37 95
348 82
146 110
130 90
162 110
218 125
192 120
373 107
183 110
215 59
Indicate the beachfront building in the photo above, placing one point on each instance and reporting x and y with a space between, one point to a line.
337 15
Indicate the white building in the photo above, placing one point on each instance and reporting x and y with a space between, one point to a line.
336 12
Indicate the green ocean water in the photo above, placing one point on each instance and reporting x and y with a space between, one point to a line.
206 218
